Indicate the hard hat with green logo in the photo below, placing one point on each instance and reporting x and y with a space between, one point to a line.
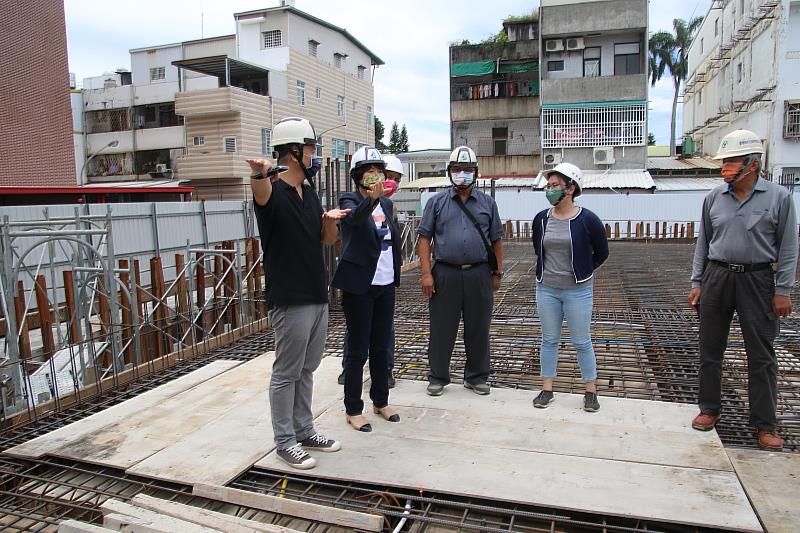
739 143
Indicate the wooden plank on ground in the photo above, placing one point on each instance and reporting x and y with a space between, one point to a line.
204 517
140 435
472 467
73 526
772 482
50 442
565 431
127 517
310 511
209 455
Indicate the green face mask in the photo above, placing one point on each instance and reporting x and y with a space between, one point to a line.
369 181
554 196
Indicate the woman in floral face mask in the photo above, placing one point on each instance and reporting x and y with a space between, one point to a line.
570 243
367 274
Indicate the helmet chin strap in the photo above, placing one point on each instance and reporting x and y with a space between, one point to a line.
745 164
299 159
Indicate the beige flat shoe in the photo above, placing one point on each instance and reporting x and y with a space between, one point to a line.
359 423
387 413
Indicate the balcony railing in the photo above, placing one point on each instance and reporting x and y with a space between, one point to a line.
495 89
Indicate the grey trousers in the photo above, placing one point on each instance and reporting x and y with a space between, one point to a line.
460 292
750 295
300 332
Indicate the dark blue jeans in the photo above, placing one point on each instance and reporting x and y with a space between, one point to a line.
370 318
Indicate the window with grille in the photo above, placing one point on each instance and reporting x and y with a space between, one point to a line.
229 145
791 120
157 73
337 60
319 93
266 141
369 116
362 70
272 38
591 62
340 106
301 93
312 48
627 59
199 141
594 125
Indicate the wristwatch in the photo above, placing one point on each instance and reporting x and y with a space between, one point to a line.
498 273
258 176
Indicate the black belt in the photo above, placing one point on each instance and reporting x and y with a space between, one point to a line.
740 268
461 267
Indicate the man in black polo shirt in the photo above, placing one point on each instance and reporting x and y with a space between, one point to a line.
293 228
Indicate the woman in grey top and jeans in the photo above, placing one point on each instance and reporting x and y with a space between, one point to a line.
570 243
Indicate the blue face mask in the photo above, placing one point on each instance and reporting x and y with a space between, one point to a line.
462 180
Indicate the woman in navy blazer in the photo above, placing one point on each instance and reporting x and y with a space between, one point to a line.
367 273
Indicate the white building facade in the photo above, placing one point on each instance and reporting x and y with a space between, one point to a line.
744 73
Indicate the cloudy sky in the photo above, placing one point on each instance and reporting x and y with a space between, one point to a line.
412 37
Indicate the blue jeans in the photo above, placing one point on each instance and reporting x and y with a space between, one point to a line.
576 305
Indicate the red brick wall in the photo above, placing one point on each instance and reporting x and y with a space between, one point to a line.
36 145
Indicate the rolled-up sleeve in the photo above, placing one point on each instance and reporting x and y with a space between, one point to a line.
787 251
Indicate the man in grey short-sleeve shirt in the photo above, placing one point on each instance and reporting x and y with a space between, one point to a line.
747 226
461 282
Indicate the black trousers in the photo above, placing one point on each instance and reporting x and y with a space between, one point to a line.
370 320
750 295
466 293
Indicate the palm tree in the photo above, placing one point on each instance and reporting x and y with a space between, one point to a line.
669 51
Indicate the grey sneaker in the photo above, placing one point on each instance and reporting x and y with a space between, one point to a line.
435 389
590 403
478 388
297 457
545 398
321 443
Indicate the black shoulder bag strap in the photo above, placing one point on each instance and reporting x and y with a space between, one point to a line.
489 250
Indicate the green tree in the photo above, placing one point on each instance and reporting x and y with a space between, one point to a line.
651 139
379 132
402 144
668 51
394 139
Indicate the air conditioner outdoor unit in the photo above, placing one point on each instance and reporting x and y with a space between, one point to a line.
575 43
554 45
161 168
603 155
552 159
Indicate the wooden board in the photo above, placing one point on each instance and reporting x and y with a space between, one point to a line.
211 456
73 526
275 504
472 463
204 517
55 440
126 517
772 481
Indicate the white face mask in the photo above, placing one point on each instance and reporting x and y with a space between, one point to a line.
463 179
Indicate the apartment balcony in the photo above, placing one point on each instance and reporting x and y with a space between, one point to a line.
494 100
222 100
595 89
148 139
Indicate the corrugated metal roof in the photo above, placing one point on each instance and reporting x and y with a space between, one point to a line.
426 183
673 163
687 184
612 179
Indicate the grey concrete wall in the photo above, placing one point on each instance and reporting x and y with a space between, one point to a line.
528 165
523 136
600 89
635 157
609 15
516 50
495 108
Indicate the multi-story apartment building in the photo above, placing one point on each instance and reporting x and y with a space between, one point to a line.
35 119
494 103
743 73
594 83
196 110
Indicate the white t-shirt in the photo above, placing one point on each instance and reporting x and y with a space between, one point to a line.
384 273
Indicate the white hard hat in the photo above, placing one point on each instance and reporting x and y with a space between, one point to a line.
393 163
570 171
293 130
366 156
738 143
462 156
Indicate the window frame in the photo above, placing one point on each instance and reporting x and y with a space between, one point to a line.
266 42
340 107
555 62
225 140
791 120
266 142
158 70
301 93
637 54
313 48
599 60
362 72
199 140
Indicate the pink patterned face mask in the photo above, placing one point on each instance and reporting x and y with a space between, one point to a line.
390 186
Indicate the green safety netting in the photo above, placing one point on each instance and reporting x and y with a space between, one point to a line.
480 68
